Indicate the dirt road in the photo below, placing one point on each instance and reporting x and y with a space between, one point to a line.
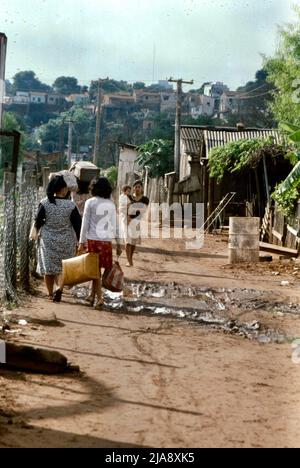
155 381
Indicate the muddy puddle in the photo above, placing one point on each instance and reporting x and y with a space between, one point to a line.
212 308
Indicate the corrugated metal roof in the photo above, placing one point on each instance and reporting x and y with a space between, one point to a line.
196 138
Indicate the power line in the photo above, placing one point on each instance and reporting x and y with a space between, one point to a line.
256 96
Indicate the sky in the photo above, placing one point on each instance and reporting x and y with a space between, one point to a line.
138 40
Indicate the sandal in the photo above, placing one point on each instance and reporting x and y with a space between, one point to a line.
99 304
57 295
90 300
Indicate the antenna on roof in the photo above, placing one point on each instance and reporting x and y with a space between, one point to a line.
154 62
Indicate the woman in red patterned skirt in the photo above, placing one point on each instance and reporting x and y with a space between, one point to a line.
99 229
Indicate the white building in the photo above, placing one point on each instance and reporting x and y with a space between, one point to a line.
21 97
205 106
38 97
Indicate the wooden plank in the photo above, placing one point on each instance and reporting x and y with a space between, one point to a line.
277 249
292 231
277 235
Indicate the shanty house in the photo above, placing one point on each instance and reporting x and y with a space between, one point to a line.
196 186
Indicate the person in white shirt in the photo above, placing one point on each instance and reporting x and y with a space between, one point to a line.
99 229
124 202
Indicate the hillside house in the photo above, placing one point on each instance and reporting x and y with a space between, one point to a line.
168 102
147 100
78 99
38 97
21 97
229 104
201 105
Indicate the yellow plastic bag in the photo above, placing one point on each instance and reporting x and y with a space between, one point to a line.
81 269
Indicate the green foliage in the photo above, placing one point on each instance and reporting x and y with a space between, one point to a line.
287 199
284 72
66 85
28 81
55 133
157 156
163 128
109 86
255 104
112 175
139 85
10 123
236 156
287 193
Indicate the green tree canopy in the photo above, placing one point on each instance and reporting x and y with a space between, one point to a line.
66 85
139 85
28 81
55 133
284 73
157 156
109 86
256 97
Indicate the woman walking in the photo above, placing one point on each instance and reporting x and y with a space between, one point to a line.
59 223
99 229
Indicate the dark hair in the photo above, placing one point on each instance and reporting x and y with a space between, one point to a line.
101 188
55 185
83 187
125 188
138 182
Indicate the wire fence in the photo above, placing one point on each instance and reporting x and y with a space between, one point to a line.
19 198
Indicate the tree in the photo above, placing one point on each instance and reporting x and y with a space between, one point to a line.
109 86
283 72
255 99
157 156
8 88
53 136
112 175
66 85
163 128
139 85
28 81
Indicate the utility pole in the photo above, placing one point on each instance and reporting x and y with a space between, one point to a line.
3 46
179 83
61 145
70 142
96 158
